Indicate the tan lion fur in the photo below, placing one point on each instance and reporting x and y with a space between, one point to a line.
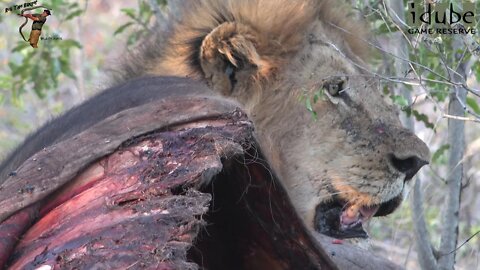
281 51
175 50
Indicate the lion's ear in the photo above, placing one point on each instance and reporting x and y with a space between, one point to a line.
227 52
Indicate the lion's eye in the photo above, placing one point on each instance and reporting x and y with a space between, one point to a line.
230 72
335 86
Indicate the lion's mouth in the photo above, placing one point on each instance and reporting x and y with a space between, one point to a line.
340 219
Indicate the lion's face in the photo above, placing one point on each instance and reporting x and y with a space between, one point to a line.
350 164
354 161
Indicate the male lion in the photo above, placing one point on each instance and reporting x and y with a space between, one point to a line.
339 171
346 167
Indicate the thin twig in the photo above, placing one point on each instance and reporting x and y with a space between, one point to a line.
457 248
400 29
446 80
461 118
391 54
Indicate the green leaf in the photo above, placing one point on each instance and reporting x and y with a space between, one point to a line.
440 153
74 14
55 67
122 28
162 2
423 118
386 90
65 67
145 11
6 82
400 101
130 12
13 67
473 104
134 37
20 47
308 104
318 95
476 68
71 43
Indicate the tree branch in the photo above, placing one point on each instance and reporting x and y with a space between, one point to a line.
456 140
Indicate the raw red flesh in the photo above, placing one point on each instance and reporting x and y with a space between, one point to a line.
104 213
141 208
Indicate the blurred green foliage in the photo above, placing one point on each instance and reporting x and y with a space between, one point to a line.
140 19
40 69
432 57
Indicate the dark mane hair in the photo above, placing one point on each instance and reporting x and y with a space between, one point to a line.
174 49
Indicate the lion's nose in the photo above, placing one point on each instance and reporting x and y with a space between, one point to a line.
409 166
